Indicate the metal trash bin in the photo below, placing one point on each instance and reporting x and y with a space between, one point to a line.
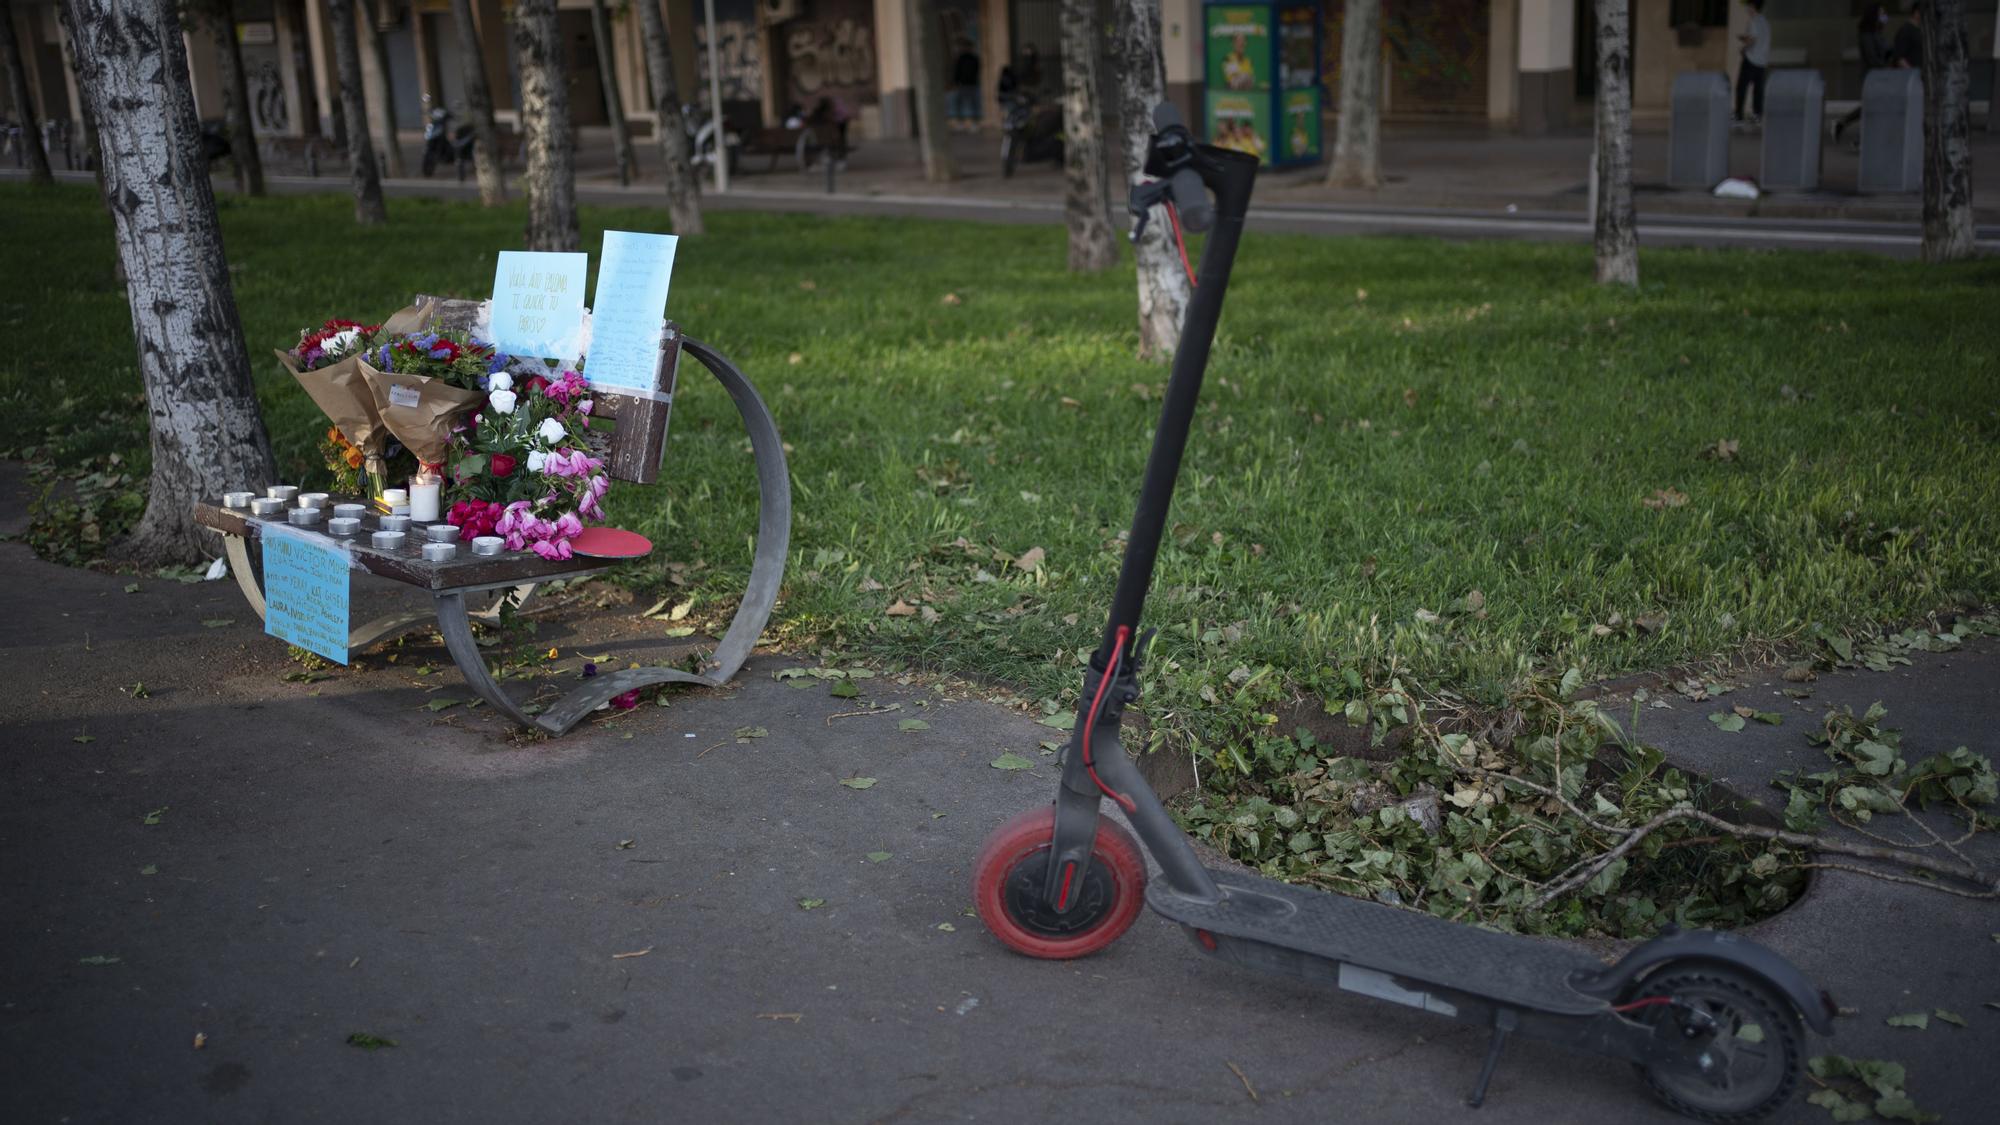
1892 131
1698 137
1794 117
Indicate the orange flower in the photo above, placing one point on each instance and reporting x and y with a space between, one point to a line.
333 434
353 457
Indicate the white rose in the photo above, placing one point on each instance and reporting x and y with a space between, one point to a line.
503 401
341 342
536 459
583 407
500 381
552 431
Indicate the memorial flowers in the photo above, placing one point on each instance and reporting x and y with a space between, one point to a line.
424 382
520 467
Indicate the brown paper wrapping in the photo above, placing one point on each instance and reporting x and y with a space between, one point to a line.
425 426
343 394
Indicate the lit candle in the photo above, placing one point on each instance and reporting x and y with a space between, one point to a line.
424 497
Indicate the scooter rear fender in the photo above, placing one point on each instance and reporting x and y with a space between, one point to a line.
1813 1004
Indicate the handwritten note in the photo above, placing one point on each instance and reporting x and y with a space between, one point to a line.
305 591
538 303
631 301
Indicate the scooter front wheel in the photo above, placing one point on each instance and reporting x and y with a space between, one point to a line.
1008 880
1742 1038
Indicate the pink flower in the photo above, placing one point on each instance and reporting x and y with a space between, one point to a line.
626 701
568 526
553 549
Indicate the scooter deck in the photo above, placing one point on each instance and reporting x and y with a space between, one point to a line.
1506 968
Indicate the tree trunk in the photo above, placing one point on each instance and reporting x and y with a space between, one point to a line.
1615 231
1357 141
614 105
1093 245
368 205
1948 231
1142 84
303 65
207 434
383 94
24 107
221 18
479 107
926 46
551 140
683 187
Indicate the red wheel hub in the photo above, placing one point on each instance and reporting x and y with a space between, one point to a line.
1102 901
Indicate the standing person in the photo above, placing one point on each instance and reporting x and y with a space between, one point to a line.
1908 51
1874 51
1030 74
1756 40
964 101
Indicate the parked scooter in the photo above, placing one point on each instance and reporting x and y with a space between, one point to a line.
443 145
700 126
1715 1022
1029 131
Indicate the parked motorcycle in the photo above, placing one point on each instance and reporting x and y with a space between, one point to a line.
443 144
1029 130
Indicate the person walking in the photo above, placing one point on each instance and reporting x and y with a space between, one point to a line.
1756 40
1874 54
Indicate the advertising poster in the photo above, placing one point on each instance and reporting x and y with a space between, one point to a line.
1301 125
1241 122
1239 48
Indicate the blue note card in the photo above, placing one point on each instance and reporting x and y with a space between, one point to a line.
538 304
305 591
630 305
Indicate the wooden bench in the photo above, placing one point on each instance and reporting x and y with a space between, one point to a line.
636 441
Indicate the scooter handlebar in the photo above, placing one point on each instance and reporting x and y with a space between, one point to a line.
1189 194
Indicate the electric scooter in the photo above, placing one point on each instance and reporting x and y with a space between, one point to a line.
1713 1021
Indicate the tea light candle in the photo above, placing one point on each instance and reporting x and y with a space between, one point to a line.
265 506
312 499
282 491
395 496
399 509
344 525
394 523
350 511
237 499
442 533
487 545
304 517
424 499
387 540
440 552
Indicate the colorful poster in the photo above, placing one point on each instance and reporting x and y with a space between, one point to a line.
1241 122
305 590
538 304
628 308
1298 56
1301 125
1239 48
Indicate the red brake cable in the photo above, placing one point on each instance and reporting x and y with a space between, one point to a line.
1180 242
1090 722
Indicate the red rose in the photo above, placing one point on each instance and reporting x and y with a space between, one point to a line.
503 464
537 384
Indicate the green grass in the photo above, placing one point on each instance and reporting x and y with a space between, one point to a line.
1484 420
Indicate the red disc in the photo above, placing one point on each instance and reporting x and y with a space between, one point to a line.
610 543
1007 883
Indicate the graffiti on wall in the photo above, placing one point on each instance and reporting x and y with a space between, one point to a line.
267 97
741 61
830 58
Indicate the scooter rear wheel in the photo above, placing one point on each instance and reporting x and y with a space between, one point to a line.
1007 888
1747 1032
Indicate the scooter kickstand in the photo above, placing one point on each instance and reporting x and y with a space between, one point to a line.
1504 1021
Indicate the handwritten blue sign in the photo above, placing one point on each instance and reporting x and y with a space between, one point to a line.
631 301
305 591
538 304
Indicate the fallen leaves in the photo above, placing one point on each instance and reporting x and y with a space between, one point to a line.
1663 498
1723 450
100 959
368 1042
634 953
877 857
900 608
154 816
858 782
1011 761
811 903
912 724
1031 559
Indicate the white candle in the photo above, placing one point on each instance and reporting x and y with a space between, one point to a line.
424 499
395 496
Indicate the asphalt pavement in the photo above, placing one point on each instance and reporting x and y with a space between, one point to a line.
215 886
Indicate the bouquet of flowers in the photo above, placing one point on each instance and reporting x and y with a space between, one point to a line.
520 468
327 363
424 381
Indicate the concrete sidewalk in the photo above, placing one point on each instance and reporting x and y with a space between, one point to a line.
608 927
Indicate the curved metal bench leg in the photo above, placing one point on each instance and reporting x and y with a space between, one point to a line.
774 514
571 709
239 566
456 626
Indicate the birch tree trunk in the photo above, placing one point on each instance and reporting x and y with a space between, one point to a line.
1948 230
683 187
1093 245
614 105
24 107
220 16
1357 140
479 107
1142 84
551 140
368 205
926 45
1615 229
207 434
383 94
